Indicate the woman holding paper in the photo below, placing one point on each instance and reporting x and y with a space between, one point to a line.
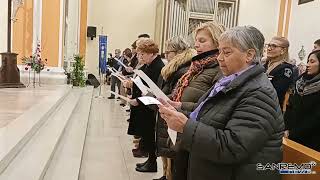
143 119
179 56
201 75
237 126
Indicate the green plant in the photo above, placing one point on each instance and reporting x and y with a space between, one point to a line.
77 72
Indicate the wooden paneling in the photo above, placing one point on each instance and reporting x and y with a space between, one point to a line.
50 31
23 31
297 153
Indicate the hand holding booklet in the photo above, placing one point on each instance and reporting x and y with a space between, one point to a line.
140 85
121 63
148 100
153 88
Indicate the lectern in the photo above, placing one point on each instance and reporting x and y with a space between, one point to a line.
9 72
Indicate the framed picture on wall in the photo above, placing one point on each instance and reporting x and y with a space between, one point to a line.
304 1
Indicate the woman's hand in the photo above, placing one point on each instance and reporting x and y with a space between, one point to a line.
167 104
175 104
127 84
129 69
286 133
133 102
175 120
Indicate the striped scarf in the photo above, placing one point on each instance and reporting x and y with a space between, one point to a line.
195 69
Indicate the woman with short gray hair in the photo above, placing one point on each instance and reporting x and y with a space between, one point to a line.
237 126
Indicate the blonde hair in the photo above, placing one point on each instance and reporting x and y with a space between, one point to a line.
284 44
213 28
181 58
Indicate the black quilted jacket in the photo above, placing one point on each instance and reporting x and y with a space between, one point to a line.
236 129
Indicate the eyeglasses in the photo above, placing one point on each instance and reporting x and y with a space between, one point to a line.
273 46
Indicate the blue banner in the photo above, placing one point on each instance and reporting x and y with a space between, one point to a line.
103 54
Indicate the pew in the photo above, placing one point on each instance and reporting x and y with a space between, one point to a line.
297 153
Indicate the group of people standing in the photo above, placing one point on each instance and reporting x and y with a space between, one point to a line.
226 106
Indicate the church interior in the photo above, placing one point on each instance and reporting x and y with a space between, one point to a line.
58 120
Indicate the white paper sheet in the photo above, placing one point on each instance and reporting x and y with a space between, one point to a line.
173 135
154 89
118 76
112 70
122 97
144 89
121 63
152 86
147 100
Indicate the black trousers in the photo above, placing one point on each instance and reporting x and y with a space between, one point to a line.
115 82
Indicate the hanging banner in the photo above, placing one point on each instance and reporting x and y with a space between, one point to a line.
103 54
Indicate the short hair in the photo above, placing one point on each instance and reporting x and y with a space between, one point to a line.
245 38
144 36
117 50
317 42
177 44
213 28
147 45
127 52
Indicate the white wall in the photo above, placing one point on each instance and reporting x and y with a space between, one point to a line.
262 14
122 20
304 27
3 26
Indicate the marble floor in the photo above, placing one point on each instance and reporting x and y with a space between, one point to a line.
107 152
14 102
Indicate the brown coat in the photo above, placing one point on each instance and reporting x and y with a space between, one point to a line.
198 86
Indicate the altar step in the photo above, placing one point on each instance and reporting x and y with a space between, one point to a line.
52 149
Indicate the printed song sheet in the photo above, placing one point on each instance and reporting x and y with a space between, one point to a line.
152 86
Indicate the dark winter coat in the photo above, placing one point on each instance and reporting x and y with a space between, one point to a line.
198 86
142 118
200 83
236 129
302 117
183 61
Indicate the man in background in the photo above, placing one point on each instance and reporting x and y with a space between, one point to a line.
116 65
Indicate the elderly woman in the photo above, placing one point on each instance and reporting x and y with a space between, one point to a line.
179 56
238 122
278 69
143 119
302 117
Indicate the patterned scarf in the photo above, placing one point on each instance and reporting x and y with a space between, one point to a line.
307 85
196 68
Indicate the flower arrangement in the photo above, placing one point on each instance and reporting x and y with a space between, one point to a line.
35 64
35 61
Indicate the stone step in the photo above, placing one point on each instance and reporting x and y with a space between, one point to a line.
16 134
32 161
66 161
